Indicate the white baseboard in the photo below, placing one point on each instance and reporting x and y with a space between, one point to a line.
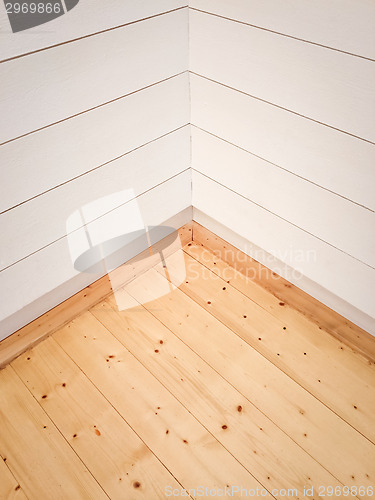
53 298
329 299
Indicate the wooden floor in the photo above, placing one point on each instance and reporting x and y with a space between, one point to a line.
214 385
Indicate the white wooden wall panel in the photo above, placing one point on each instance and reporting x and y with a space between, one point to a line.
332 269
93 103
293 122
322 213
51 85
86 18
328 86
42 220
51 267
346 25
336 161
45 159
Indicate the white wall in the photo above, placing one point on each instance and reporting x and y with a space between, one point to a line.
281 101
283 134
92 103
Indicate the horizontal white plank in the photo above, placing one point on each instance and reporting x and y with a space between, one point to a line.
52 85
84 19
333 270
43 160
52 267
320 154
37 223
328 86
346 25
336 220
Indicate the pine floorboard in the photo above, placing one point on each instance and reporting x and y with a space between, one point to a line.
203 379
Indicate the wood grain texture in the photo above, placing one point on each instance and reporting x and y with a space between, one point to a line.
165 393
87 141
43 220
81 21
342 25
255 441
298 413
300 354
284 291
317 153
327 86
39 328
109 447
293 199
284 244
90 72
46 457
150 409
9 487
